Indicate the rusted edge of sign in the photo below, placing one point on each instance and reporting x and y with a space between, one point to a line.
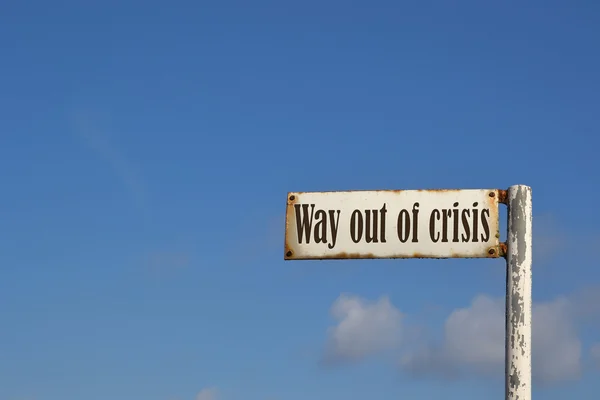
493 252
502 196
496 251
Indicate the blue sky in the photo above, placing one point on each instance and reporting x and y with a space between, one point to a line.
147 150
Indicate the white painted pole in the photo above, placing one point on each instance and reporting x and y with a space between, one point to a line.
518 294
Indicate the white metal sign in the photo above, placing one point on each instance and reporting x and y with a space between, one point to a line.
392 224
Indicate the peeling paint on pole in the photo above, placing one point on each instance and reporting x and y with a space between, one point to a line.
518 294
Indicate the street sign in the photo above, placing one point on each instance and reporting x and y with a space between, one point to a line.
392 224
427 224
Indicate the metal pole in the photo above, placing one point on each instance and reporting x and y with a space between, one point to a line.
518 294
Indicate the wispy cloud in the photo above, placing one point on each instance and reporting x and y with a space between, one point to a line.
208 394
87 127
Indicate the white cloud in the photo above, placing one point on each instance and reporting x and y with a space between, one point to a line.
555 344
476 334
363 329
472 342
207 394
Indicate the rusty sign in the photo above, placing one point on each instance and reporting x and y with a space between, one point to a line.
393 224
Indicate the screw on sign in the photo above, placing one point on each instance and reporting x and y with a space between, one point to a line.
427 224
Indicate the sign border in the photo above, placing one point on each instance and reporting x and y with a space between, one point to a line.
498 250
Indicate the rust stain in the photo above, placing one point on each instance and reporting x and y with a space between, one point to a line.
462 255
494 197
448 190
503 250
441 190
503 196
344 256
358 256
421 255
335 256
292 197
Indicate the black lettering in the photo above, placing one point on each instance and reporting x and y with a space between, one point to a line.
382 213
455 221
445 215
304 226
403 226
435 214
321 225
465 224
415 222
486 227
335 223
475 222
371 231
356 227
